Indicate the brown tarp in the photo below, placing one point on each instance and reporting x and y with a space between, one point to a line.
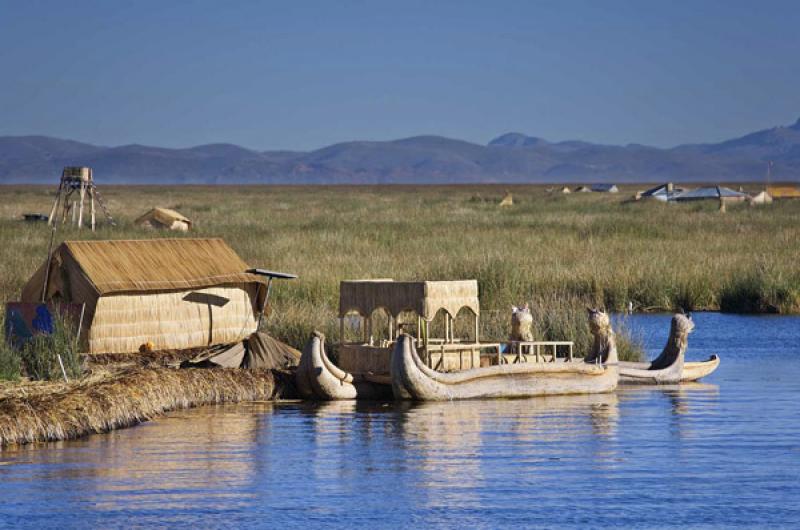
258 351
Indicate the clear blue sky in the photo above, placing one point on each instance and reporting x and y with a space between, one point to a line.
300 75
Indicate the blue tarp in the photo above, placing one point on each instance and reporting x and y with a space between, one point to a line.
710 192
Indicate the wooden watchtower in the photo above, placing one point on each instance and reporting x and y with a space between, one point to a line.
77 179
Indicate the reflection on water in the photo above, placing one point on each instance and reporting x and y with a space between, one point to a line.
721 453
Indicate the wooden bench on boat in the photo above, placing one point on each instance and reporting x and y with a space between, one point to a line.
520 351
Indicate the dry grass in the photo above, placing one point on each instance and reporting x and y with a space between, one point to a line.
558 252
118 397
588 247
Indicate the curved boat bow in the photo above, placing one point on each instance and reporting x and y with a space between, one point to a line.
670 367
412 379
318 378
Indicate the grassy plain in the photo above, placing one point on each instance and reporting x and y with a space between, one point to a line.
549 248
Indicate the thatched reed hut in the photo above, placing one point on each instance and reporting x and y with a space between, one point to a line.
173 293
164 219
761 198
508 200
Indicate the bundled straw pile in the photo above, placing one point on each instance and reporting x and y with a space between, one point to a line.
121 397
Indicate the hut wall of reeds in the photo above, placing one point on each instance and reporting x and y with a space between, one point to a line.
173 293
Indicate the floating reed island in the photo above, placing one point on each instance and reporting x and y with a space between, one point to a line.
180 315
602 252
117 397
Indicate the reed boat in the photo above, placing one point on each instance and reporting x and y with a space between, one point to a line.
694 370
597 373
670 367
318 378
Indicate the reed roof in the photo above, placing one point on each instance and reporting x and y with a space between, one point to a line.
164 216
130 266
425 298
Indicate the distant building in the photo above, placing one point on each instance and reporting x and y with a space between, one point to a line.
164 218
761 198
605 188
566 189
665 192
784 192
712 193
583 189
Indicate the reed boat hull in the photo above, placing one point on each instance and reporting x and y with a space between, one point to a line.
412 379
319 379
641 374
692 371
670 366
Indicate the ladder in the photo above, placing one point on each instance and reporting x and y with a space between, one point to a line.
102 204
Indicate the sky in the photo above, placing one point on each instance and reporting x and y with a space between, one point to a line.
305 74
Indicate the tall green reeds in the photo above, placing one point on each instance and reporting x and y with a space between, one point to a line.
40 355
9 362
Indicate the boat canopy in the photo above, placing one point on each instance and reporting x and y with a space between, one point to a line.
423 298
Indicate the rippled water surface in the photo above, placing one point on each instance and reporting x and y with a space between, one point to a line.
722 453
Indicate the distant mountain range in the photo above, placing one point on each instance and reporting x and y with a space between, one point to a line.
510 158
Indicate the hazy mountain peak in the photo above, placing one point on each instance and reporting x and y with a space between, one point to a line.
515 139
513 158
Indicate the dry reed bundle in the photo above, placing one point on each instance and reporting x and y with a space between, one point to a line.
107 400
148 358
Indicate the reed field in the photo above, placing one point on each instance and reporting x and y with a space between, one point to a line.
552 250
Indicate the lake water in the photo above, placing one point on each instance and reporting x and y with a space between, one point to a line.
723 453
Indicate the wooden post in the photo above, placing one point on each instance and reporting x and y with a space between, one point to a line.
477 329
364 329
65 206
341 330
80 206
452 328
54 209
91 202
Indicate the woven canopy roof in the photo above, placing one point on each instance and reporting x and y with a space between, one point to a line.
423 298
152 265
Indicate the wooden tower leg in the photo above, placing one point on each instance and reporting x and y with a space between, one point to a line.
66 207
80 206
91 203
54 209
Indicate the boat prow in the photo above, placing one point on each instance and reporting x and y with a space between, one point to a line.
692 371
318 378
670 367
412 379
